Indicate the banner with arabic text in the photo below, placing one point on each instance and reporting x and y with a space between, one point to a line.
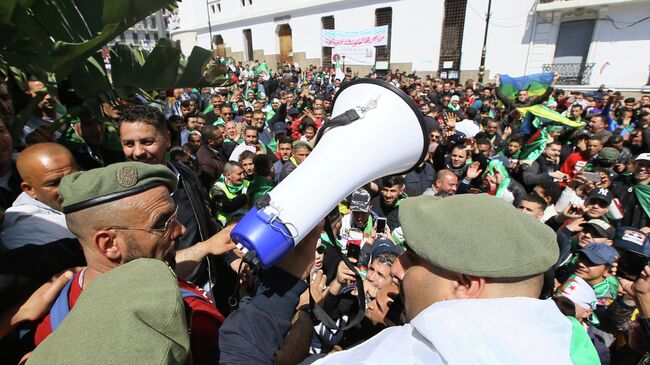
376 36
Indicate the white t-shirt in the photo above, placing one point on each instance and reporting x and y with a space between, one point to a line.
468 127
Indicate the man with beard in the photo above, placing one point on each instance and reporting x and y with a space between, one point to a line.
144 137
285 150
125 212
388 202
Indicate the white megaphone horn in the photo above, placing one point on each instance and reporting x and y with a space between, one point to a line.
376 130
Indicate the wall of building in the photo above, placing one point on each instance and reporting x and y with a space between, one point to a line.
507 37
622 56
521 38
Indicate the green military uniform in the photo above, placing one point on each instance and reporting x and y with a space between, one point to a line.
132 314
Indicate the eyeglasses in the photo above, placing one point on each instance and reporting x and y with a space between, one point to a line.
169 224
320 250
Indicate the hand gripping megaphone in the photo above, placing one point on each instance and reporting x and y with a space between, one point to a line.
376 130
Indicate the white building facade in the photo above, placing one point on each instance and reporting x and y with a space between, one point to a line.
590 42
147 32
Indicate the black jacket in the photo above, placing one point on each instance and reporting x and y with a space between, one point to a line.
538 172
7 196
194 214
387 211
420 179
633 213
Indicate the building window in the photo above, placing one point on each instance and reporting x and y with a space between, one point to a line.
571 51
384 16
215 6
122 37
328 23
147 36
243 2
152 20
248 40
155 37
451 42
135 37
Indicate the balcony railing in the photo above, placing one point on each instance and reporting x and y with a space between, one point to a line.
571 73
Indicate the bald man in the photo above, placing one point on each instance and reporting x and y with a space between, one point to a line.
35 216
445 184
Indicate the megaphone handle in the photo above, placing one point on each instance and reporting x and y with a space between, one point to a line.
318 311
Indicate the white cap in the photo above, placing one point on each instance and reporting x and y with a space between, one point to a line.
579 292
643 157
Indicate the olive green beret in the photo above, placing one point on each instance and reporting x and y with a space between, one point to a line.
302 144
478 235
85 189
132 314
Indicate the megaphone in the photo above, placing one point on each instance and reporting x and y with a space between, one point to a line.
376 130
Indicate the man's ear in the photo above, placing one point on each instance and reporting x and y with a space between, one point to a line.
468 287
28 189
106 243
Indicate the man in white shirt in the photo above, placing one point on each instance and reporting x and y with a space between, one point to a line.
35 216
470 295
469 126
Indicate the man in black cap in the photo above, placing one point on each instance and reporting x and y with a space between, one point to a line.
597 203
360 217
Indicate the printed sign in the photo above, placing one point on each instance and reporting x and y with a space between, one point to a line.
360 55
377 36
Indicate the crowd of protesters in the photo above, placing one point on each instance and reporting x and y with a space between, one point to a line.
220 150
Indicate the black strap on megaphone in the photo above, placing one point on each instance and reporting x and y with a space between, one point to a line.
318 311
338 121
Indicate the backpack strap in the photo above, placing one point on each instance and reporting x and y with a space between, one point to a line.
185 293
61 306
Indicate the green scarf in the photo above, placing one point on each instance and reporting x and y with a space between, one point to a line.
235 189
642 192
273 145
503 187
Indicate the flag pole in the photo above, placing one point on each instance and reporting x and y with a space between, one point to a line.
481 69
